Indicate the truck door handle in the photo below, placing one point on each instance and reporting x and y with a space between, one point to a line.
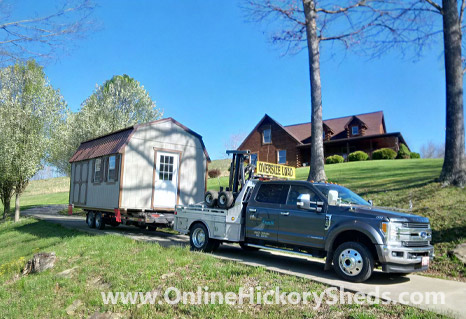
252 210
285 213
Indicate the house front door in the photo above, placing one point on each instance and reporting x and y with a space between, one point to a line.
166 180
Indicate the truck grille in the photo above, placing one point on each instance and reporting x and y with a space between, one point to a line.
415 243
415 225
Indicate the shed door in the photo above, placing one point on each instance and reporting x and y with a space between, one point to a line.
166 180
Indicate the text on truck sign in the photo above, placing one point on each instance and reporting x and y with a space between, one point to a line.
277 170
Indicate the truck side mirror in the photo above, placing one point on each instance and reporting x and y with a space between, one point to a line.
332 197
304 201
370 202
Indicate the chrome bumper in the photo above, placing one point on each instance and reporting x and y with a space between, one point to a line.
404 255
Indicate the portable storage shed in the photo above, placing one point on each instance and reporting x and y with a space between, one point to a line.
146 167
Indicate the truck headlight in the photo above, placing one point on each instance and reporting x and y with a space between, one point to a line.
391 231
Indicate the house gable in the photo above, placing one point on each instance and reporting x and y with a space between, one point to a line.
281 139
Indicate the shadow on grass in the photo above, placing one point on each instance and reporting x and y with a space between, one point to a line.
42 229
448 235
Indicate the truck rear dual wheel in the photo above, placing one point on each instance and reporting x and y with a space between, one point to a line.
353 261
90 219
210 198
200 241
225 199
99 221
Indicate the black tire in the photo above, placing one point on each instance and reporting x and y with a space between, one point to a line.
247 248
99 221
90 219
210 198
152 228
353 261
200 241
143 227
114 224
225 199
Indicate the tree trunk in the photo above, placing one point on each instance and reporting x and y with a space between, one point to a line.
17 208
454 165
316 172
6 208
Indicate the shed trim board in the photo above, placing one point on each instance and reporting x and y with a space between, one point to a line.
180 153
122 169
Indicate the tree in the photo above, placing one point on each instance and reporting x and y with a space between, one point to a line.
31 109
313 22
42 36
413 23
118 103
7 183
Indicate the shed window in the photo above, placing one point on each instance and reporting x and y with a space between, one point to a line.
98 170
267 136
282 157
166 168
112 168
354 130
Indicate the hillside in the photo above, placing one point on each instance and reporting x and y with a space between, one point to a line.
392 183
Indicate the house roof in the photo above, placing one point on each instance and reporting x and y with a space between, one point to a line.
271 119
373 121
115 142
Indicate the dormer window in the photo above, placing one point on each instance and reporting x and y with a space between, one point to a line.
354 130
267 136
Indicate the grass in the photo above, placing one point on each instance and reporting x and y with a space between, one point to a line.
115 263
394 183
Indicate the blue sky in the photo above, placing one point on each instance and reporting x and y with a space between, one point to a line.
208 68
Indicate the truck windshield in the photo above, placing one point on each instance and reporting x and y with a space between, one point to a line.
344 194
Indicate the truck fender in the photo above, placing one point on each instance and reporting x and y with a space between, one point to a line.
364 228
201 222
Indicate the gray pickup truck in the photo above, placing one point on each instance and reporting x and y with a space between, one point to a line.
318 219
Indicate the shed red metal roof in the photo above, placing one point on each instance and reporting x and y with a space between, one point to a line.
108 144
115 142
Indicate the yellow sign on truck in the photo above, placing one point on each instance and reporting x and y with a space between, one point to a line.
276 170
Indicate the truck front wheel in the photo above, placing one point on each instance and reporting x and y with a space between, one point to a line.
353 261
200 241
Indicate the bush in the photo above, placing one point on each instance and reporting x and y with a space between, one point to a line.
383 153
358 156
403 152
414 155
213 173
334 159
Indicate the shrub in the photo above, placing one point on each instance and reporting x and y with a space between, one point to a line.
213 173
334 159
383 153
414 155
358 156
403 152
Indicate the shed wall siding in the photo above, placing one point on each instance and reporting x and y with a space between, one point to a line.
99 195
139 164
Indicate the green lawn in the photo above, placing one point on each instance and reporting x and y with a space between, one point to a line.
116 263
394 183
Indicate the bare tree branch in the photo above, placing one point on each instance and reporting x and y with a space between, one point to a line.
435 5
42 36
342 9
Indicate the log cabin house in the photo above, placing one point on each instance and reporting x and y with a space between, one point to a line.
291 144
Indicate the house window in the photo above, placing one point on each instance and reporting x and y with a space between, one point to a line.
323 135
166 168
267 136
354 130
282 157
112 173
97 170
